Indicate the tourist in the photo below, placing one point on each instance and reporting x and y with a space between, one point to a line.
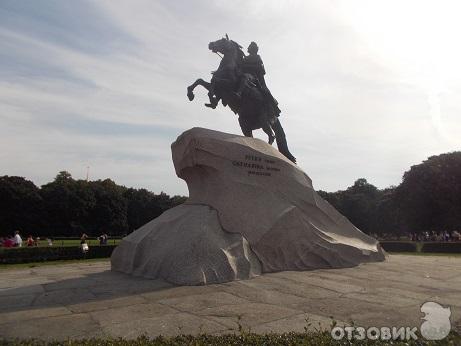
83 244
30 241
446 236
17 239
101 239
9 241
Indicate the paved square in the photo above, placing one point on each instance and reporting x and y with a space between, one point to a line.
88 300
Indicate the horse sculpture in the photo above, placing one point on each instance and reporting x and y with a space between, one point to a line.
253 106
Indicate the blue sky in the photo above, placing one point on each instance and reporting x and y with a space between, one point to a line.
366 88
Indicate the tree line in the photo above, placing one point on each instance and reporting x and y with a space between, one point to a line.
427 199
69 207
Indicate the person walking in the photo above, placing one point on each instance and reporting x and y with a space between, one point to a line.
17 239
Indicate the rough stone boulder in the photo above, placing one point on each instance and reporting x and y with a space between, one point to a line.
250 211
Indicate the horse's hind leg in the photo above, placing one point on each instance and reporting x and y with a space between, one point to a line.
270 134
247 133
266 127
246 130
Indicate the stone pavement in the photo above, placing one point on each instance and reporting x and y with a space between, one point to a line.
88 300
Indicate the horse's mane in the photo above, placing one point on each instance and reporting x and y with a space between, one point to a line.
240 53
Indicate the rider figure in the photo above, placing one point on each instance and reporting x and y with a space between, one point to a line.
254 65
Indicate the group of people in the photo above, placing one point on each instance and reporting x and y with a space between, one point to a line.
436 236
84 246
17 241
102 239
12 241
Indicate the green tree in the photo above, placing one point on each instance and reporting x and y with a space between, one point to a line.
388 213
144 206
430 194
21 206
66 204
358 203
138 211
109 212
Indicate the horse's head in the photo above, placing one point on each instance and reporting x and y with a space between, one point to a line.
220 46
225 45
229 66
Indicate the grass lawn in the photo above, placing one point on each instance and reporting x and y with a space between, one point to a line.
76 242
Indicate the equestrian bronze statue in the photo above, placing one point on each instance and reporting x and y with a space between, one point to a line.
239 83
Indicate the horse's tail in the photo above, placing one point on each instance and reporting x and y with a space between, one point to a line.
282 140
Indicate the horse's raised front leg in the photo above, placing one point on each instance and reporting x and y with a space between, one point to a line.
190 88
